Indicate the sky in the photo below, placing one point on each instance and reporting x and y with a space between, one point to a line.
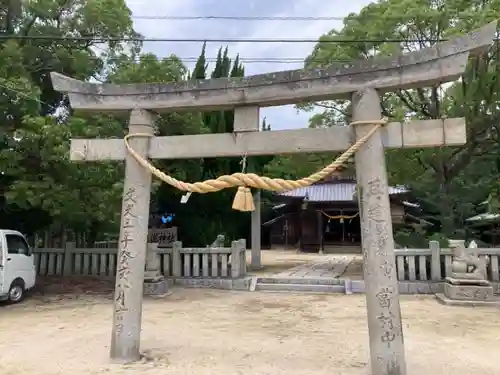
285 117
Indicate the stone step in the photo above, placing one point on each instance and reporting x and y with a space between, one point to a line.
300 280
314 288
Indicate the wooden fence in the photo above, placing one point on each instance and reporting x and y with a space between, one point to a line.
174 262
434 263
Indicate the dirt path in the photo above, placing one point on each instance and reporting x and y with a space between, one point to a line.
227 333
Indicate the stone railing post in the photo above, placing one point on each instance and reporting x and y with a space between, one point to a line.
152 267
68 258
256 261
435 261
154 281
235 259
243 257
176 259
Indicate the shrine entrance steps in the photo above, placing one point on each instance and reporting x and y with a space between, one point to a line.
321 276
302 284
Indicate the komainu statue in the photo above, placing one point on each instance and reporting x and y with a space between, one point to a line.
219 241
466 263
467 281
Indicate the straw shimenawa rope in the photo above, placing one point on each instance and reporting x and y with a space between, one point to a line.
243 200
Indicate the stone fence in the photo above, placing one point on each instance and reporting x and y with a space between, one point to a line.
175 262
434 263
431 265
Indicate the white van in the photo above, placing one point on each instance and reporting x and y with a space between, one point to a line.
17 266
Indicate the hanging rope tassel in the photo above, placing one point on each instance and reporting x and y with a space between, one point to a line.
243 200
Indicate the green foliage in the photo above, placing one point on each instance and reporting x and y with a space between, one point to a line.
417 238
37 175
448 182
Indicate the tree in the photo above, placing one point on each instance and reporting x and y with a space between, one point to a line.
446 181
36 173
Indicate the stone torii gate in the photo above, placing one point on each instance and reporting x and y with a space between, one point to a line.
359 81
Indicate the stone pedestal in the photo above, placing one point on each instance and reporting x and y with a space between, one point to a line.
155 288
468 292
463 292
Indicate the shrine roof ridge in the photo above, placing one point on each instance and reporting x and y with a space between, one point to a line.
443 62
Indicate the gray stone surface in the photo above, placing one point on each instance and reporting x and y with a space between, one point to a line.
416 287
255 262
155 288
234 284
404 287
494 302
246 119
466 264
387 354
153 268
314 285
468 292
219 241
455 281
253 283
414 133
300 280
311 288
348 286
443 62
328 267
132 247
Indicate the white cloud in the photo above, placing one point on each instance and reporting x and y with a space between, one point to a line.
279 117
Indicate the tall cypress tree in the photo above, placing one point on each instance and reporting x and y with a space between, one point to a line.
217 72
200 69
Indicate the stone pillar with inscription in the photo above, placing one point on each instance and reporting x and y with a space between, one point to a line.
132 247
387 354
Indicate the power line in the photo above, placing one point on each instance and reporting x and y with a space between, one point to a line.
263 60
237 18
209 40
272 18
245 60
273 60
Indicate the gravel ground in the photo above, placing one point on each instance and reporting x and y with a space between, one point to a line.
196 331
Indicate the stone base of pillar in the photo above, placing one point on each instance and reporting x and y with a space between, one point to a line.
255 267
468 292
441 298
465 293
157 287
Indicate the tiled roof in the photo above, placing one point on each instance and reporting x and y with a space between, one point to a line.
484 217
337 192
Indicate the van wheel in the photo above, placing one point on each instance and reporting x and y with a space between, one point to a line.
16 291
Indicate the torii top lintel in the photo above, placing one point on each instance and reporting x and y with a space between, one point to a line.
444 62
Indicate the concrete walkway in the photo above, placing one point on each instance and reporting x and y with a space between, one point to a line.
329 266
